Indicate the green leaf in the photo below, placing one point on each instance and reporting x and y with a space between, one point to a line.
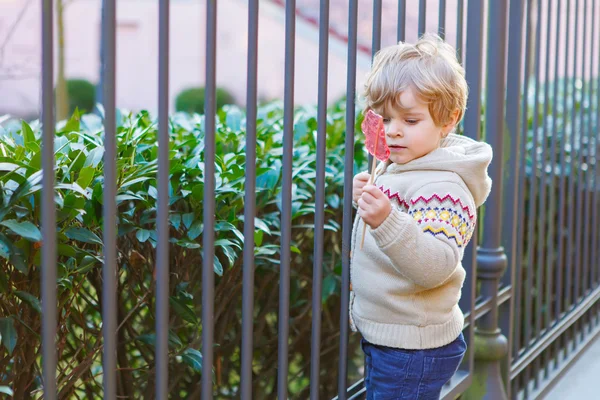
25 229
187 244
258 238
175 220
6 390
260 224
86 264
28 137
227 226
29 299
329 285
183 310
188 219
30 186
36 160
74 187
150 339
195 230
125 197
66 250
152 192
193 358
8 167
142 235
226 242
218 267
198 191
5 250
94 157
334 201
83 235
8 333
86 175
73 122
234 118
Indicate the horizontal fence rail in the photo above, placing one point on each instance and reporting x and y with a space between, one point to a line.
244 281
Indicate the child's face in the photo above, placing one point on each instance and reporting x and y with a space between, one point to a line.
410 130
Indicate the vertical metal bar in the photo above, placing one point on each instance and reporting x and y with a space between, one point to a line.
473 67
422 16
562 203
376 39
319 201
563 256
533 203
588 245
546 215
249 204
494 115
459 29
582 186
551 265
286 204
401 34
348 210
472 128
208 236
596 206
491 259
572 292
442 19
48 282
511 182
533 184
584 178
162 222
579 274
522 291
544 276
109 285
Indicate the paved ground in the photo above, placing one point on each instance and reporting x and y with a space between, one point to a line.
581 381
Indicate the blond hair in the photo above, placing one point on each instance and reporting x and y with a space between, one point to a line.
430 66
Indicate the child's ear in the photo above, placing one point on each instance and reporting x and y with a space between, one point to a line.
448 127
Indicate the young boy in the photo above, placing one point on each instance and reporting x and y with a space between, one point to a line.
421 213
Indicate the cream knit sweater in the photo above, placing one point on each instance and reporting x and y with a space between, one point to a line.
407 280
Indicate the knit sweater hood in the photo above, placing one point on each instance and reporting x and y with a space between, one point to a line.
407 279
460 154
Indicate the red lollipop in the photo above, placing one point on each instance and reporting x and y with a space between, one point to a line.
372 127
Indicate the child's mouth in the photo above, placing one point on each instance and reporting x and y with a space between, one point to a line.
396 147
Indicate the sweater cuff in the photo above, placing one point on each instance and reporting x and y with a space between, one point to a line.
390 228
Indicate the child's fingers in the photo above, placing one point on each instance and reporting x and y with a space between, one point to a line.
368 198
363 176
373 191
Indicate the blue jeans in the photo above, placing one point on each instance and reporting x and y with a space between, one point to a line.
397 374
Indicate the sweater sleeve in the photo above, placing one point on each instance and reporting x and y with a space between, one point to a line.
425 244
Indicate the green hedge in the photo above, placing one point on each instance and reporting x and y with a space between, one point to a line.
79 190
192 100
82 95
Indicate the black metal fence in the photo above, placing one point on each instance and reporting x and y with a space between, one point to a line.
531 294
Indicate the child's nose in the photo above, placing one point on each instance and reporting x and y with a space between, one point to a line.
394 130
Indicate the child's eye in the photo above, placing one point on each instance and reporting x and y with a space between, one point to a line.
386 120
412 121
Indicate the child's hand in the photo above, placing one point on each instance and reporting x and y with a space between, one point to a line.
373 206
360 180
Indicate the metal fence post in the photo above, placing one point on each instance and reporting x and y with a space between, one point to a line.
490 343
